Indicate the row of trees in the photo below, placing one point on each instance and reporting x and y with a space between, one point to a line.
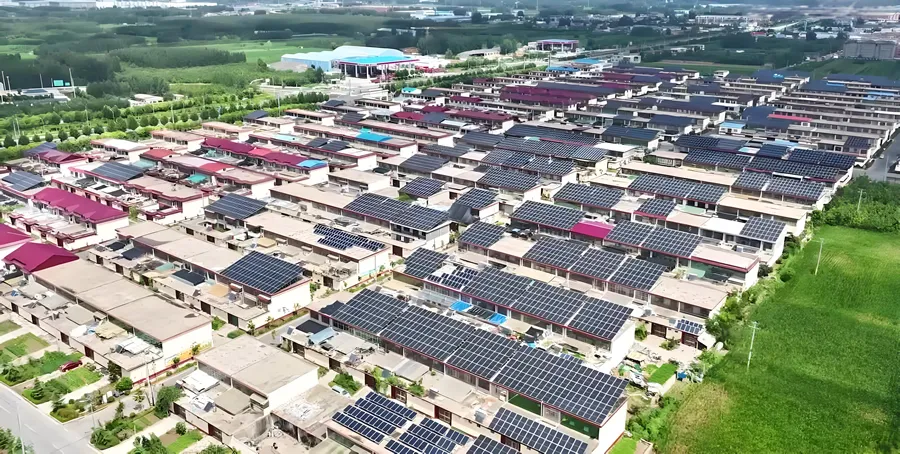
177 57
863 204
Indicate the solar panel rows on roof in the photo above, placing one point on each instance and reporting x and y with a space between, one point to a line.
672 242
659 208
482 234
370 311
423 163
423 262
559 135
118 171
600 318
630 233
419 218
477 198
598 263
556 252
594 196
547 215
638 274
263 272
537 436
422 187
554 304
237 206
428 333
483 354
509 179
768 230
23 181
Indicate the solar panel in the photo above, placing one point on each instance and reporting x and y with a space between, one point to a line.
772 151
600 318
485 445
477 198
554 304
374 205
555 252
630 233
630 133
23 181
432 438
709 193
481 138
443 150
419 218
370 311
370 420
808 190
263 272
638 274
399 448
381 412
118 171
549 166
538 147
358 427
547 215
659 208
482 234
689 327
497 287
591 154
444 431
672 242
420 444
344 240
483 354
672 187
423 262
423 163
428 333
497 157
566 385
335 145
509 179
459 278
593 196
391 405
598 263
648 183
317 142
537 436
768 230
752 181
457 437
237 206
422 187
549 133
517 160
836 160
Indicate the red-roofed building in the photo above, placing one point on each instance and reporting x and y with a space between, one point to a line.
69 220
11 239
156 154
591 230
791 118
33 257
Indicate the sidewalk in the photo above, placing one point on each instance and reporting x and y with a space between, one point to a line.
162 426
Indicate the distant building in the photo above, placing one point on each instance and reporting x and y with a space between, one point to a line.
871 50
718 19
326 59
142 100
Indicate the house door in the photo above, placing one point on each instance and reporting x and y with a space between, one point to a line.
64 338
89 353
179 295
334 364
205 307
689 339
232 320
398 251
658 330
370 382
15 307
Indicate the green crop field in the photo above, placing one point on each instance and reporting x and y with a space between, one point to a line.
271 51
885 68
824 376
707 69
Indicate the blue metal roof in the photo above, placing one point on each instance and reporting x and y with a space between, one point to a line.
375 60
733 124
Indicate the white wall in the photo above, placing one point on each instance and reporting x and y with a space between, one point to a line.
182 343
293 389
612 430
367 163
261 190
9 249
317 176
193 208
622 343
107 230
77 244
285 302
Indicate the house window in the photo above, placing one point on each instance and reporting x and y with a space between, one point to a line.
443 415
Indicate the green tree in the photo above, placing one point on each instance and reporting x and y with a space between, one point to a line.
149 445
87 130
115 372
24 140
8 142
58 403
35 138
145 121
261 65
37 390
120 411
74 133
99 129
131 124
48 137
166 396
62 135
124 385
216 449
153 121
138 396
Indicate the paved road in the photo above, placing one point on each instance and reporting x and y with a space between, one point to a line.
878 170
39 430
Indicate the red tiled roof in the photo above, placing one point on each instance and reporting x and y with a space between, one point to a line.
157 154
259 152
284 158
92 211
214 166
31 257
593 229
617 76
10 235
408 116
59 157
228 145
479 115
431 109
790 117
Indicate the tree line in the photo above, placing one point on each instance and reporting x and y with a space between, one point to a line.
177 57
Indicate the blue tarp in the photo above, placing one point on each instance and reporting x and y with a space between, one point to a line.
497 319
460 306
312 164
322 336
371 136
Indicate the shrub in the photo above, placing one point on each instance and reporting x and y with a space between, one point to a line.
640 331
786 275
764 270
236 333
102 438
180 428
217 323
66 414
346 381
124 385
669 344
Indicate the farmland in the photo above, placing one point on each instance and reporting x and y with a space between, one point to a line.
884 68
824 376
706 68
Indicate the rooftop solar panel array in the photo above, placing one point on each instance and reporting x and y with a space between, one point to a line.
263 272
423 262
823 158
483 354
630 133
509 179
392 406
549 166
342 240
554 304
752 181
23 181
768 230
517 160
497 157
497 287
600 318
477 198
428 333
563 384
772 151
672 242
376 206
458 278
441 442
547 215
593 196
794 168
444 431
718 159
630 233
591 154
482 139
557 135
422 187
118 171
556 252
423 163
808 190
638 274
537 147
485 445
689 327
237 206
445 151
535 435
358 427
598 263
419 218
660 208
482 234
370 311
679 189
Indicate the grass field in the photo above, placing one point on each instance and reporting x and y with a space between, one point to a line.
824 376
624 446
663 374
706 68
77 378
8 326
886 68
271 51
22 345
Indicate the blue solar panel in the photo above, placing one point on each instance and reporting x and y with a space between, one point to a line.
434 426
342 240
381 412
431 437
689 326
421 444
370 420
358 427
391 405
399 448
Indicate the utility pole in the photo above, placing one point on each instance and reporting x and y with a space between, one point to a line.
754 327
859 200
821 242
72 83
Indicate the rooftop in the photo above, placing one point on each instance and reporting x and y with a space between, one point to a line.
259 366
158 318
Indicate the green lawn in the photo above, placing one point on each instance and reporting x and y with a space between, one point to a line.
886 68
663 373
708 69
624 446
184 441
8 326
271 51
23 345
824 376
77 378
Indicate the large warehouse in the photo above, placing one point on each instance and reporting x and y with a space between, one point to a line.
324 59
